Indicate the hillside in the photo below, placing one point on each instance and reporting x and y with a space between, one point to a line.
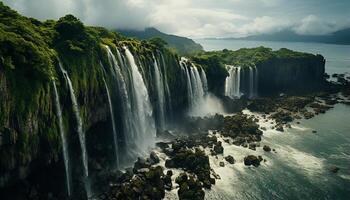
182 44
339 37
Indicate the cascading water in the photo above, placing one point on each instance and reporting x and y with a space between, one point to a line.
253 82
125 100
63 138
79 130
201 102
141 107
256 80
183 63
232 82
204 81
197 86
166 86
115 135
158 77
79 121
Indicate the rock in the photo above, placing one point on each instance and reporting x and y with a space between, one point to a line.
169 173
222 164
282 116
169 163
252 146
218 149
154 158
181 178
230 159
167 180
146 185
252 160
279 128
190 188
266 148
334 169
141 163
194 162
308 115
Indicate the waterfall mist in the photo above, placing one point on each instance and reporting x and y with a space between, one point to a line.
232 82
201 102
142 110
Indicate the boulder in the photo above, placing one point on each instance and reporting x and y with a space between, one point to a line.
218 149
154 159
252 160
230 159
141 163
266 148
279 128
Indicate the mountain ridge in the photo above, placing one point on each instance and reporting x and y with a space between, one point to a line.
341 37
182 44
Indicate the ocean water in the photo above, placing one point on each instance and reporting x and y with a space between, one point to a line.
301 167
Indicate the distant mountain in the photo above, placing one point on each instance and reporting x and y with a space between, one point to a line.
338 37
182 44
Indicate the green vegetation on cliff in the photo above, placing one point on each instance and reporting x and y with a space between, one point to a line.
182 45
246 57
29 54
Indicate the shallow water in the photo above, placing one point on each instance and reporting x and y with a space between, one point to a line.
301 167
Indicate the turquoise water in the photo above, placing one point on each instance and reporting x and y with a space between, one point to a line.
301 167
337 56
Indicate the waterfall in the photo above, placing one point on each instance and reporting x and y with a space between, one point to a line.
115 135
253 82
129 132
141 107
204 81
232 82
256 81
201 102
183 63
158 77
166 85
79 121
197 85
63 138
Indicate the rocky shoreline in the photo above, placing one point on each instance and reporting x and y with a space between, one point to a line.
182 165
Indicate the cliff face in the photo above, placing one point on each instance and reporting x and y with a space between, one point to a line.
287 75
264 71
29 64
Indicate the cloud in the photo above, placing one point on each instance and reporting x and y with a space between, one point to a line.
194 22
196 18
264 24
313 25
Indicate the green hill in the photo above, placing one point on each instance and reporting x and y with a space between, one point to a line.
182 44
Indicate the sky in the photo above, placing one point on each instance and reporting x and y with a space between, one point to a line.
199 18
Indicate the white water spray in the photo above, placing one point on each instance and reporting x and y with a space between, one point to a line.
232 82
63 138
